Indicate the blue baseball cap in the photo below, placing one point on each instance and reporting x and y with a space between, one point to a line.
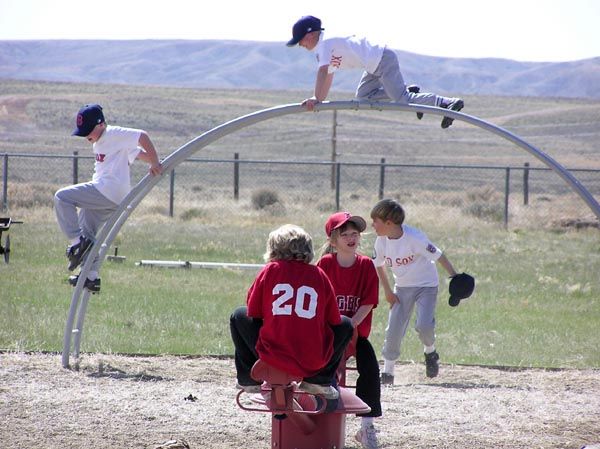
302 27
88 117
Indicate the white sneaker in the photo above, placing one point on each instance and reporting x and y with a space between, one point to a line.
327 391
367 436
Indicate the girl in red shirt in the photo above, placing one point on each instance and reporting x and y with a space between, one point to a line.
356 287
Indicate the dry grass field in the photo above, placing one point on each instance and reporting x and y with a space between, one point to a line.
37 117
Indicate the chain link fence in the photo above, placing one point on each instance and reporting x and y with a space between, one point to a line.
509 196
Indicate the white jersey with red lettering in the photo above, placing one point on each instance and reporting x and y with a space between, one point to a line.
350 52
411 257
115 151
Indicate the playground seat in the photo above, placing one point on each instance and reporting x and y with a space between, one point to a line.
301 420
5 223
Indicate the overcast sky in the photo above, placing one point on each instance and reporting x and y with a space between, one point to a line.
523 30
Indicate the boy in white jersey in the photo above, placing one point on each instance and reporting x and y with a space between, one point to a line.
381 80
411 257
115 148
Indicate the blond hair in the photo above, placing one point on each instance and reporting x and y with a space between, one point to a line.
289 242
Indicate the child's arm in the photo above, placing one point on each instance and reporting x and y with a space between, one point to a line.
389 293
444 262
360 314
322 86
149 154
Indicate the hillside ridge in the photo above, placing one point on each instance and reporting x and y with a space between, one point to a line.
273 66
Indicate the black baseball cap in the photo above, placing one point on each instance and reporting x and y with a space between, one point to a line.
302 27
88 117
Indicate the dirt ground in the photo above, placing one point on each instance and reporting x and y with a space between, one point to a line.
115 401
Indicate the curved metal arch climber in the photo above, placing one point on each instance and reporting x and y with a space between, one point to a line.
80 298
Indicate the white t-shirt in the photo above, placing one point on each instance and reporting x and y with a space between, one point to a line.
412 258
116 149
348 53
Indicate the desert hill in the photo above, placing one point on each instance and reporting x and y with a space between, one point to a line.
268 65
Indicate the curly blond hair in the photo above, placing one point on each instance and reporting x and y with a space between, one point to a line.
289 242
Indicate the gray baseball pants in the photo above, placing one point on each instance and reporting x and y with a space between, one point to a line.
387 83
94 210
425 299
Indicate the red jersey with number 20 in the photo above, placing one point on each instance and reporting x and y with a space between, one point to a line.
297 304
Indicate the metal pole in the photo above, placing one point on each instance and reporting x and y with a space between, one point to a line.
337 185
526 184
333 148
172 193
75 167
112 227
78 329
506 194
236 176
5 183
381 178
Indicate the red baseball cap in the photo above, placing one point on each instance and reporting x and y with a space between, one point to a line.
339 219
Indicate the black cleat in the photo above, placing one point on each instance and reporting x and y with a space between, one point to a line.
386 379
456 105
413 88
92 286
75 253
432 366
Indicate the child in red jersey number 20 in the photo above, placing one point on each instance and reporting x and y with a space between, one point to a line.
291 320
356 286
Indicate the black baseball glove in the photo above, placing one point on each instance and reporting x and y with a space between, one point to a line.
461 287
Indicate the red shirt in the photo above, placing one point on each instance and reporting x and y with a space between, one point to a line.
354 286
296 302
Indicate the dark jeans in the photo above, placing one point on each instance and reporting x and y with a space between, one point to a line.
244 332
368 387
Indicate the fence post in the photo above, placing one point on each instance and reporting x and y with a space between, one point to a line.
236 176
75 167
171 193
526 184
333 148
506 195
381 178
337 186
5 183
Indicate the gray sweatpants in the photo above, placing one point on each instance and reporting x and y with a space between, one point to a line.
425 299
94 210
387 83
